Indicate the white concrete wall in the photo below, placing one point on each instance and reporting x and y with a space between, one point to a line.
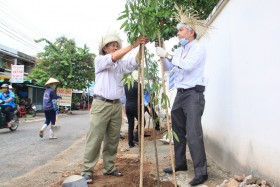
242 116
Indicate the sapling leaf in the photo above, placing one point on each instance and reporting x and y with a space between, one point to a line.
175 136
124 24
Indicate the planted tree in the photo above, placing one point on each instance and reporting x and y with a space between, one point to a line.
138 16
154 18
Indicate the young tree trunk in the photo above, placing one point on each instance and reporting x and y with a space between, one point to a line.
153 126
167 118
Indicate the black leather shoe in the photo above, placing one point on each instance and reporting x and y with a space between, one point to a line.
198 180
178 168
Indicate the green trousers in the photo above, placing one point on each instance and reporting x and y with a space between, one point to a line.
104 125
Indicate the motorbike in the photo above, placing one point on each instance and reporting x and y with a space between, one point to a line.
14 118
29 108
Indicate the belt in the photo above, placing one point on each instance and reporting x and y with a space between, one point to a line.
183 90
106 100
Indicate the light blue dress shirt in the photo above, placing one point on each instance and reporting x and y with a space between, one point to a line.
188 65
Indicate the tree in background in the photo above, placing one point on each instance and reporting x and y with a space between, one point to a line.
63 60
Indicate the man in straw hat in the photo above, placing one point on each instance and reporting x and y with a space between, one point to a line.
187 63
49 99
106 111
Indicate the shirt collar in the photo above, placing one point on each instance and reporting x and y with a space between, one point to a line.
189 45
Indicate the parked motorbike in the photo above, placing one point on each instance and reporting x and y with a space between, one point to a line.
28 108
14 117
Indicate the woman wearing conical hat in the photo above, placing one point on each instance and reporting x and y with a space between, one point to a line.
105 114
187 63
49 108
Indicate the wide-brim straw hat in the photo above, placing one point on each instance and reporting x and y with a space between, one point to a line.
190 19
51 81
108 39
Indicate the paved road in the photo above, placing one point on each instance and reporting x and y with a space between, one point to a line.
23 150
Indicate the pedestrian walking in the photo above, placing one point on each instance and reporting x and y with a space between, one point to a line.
50 107
188 63
106 111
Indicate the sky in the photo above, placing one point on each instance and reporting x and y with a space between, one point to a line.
85 21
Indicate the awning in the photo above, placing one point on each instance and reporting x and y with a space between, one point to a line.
2 77
32 86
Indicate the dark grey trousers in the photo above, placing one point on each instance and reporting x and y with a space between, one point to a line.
186 115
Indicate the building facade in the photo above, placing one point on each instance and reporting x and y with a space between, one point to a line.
26 90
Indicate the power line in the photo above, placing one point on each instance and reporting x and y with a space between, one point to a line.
12 13
14 32
17 38
21 40
25 37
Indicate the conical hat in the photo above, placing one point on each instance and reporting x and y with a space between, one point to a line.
107 39
51 81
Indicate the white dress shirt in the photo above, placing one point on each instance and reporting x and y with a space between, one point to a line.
109 74
188 65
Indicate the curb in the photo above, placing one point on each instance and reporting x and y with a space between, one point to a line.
42 117
30 120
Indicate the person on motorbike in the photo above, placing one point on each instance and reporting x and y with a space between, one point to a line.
7 107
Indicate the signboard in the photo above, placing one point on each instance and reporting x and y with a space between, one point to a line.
66 96
17 73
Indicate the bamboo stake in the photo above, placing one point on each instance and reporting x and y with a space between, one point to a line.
167 118
138 106
142 118
154 132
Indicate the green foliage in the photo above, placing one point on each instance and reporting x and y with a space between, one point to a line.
129 80
165 103
147 17
151 74
63 60
202 7
174 135
151 70
150 18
